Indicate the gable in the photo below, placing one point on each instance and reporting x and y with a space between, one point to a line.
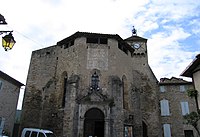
10 79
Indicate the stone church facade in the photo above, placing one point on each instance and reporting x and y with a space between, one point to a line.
92 84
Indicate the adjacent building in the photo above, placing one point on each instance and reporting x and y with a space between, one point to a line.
174 104
193 71
92 84
9 93
17 124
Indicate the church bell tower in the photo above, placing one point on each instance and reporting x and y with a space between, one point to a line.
139 45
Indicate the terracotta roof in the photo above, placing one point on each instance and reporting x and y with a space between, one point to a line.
192 67
93 35
10 79
173 80
88 34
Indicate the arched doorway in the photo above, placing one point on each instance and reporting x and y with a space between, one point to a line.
94 123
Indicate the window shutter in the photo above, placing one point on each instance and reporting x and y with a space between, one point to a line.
182 88
184 108
164 107
167 130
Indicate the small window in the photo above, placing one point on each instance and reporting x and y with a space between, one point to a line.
182 88
184 108
71 42
92 40
103 41
64 92
27 134
162 89
66 46
1 83
120 46
164 104
41 135
167 130
34 134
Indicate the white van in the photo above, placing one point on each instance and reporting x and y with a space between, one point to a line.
34 132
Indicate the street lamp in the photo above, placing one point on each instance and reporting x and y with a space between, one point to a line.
2 20
8 40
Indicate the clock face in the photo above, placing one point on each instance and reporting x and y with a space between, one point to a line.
136 45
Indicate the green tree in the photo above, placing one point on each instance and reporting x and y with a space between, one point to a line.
193 93
193 117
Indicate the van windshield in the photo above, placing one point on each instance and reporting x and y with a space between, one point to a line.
50 135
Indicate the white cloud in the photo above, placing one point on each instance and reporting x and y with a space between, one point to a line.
44 22
195 26
166 55
41 23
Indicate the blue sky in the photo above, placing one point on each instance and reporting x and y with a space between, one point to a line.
171 26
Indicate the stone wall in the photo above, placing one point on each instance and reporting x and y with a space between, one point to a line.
9 94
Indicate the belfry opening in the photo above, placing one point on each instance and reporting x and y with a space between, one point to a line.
94 123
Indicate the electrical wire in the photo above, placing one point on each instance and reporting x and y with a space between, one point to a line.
26 36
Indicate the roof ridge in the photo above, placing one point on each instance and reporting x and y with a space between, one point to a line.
10 79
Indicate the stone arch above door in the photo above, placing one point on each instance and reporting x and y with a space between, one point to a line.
94 123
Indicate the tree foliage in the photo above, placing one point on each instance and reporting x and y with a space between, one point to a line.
192 93
192 118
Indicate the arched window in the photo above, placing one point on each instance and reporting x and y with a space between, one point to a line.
64 77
